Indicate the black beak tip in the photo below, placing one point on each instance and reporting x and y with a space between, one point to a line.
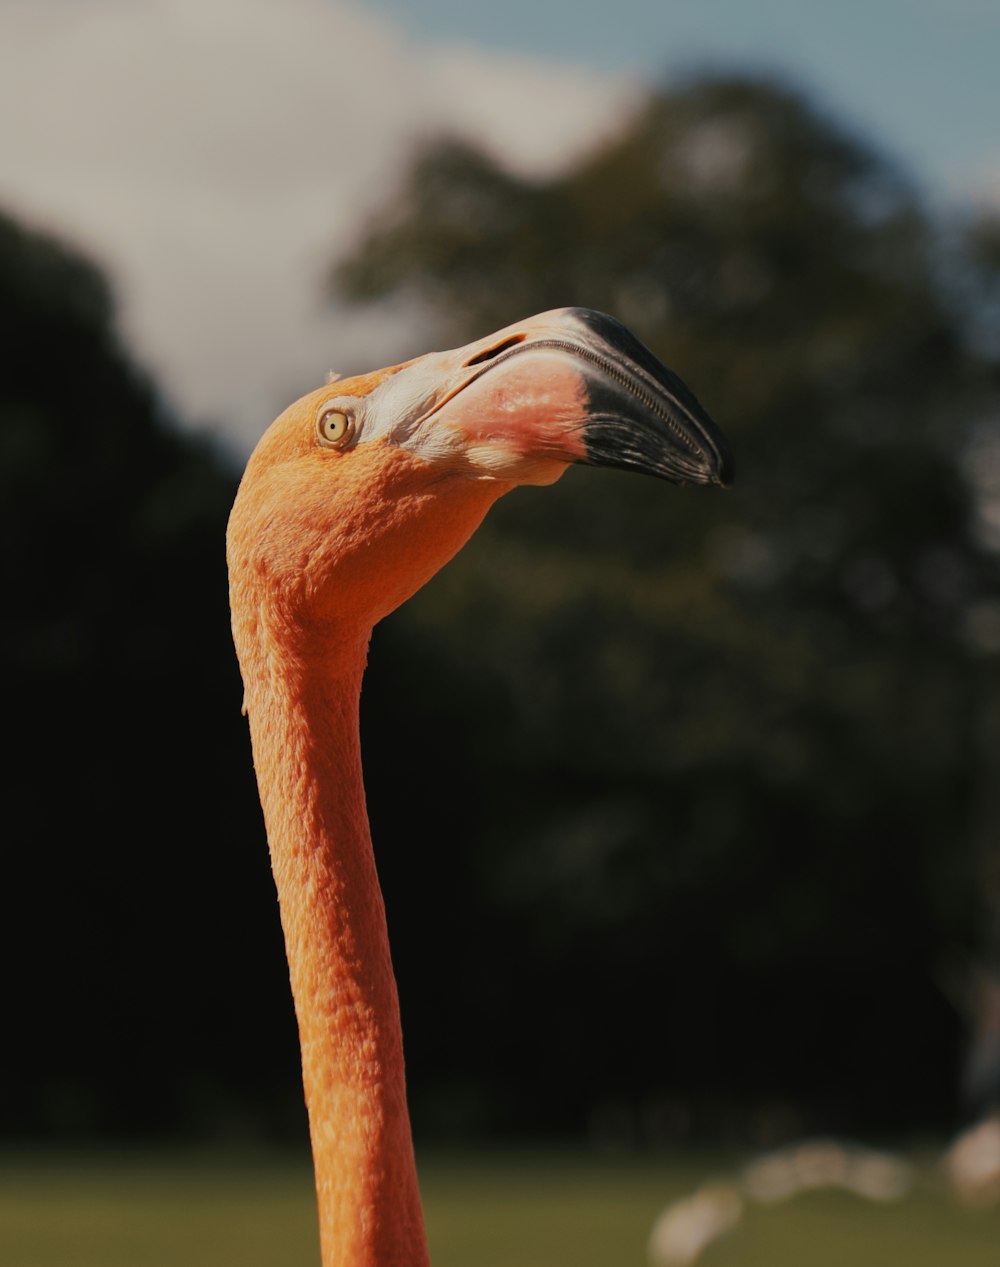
725 471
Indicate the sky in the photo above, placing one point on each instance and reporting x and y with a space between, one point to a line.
214 156
922 73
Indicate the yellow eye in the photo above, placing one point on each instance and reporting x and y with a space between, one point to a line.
335 427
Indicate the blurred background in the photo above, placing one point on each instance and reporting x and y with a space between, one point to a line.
716 865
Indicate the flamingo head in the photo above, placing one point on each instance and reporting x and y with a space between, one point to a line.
364 488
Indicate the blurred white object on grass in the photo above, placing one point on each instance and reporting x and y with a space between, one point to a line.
973 1164
686 1228
827 1164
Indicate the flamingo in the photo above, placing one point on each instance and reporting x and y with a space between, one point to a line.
354 497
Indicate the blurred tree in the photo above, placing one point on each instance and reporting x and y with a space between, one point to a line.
717 761
980 297
139 938
717 785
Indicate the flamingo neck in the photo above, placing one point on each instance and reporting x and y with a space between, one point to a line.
304 728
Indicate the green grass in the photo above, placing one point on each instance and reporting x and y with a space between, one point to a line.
525 1210
155 1211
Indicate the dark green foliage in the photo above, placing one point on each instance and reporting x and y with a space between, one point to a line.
724 801
682 798
138 913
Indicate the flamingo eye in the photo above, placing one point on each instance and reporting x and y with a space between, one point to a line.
334 427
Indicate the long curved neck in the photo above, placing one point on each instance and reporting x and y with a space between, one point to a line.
304 727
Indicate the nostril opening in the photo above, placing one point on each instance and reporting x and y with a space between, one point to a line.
490 353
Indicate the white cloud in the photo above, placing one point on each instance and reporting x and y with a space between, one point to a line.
215 154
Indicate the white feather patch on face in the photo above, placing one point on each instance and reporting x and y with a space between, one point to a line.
395 408
496 458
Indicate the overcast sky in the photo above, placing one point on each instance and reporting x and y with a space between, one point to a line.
214 155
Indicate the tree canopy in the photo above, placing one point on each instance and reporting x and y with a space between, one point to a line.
728 798
137 906
683 800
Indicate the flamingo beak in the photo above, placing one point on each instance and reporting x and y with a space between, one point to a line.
575 385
